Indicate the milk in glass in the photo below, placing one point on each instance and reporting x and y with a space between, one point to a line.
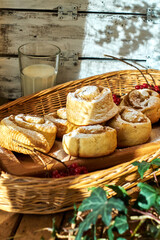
37 77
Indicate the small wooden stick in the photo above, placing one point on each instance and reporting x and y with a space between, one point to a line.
146 71
119 59
32 149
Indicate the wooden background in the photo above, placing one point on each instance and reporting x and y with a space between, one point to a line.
115 27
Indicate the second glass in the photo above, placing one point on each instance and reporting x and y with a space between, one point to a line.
39 62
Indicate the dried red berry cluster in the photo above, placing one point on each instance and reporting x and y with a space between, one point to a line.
156 88
145 85
116 99
73 169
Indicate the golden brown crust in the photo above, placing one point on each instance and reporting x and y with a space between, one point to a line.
26 129
90 105
61 113
63 126
90 141
145 100
132 126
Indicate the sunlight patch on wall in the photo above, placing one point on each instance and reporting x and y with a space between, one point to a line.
119 35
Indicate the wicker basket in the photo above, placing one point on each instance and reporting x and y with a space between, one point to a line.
46 195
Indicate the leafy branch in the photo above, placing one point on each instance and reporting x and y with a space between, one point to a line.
117 214
121 219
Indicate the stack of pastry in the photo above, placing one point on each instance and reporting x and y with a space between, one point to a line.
91 124
81 123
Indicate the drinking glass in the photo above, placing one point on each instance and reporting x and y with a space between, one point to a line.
39 62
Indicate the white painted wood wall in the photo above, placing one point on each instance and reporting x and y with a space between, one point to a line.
115 27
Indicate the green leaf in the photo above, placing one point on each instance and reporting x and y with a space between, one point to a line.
121 224
96 199
156 161
157 204
121 238
73 220
116 203
53 228
147 196
113 203
110 233
86 238
142 167
91 188
121 193
101 206
86 224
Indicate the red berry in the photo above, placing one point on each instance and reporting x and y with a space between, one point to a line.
74 169
84 169
54 173
71 171
117 101
74 165
137 87
78 170
145 85
157 88
151 87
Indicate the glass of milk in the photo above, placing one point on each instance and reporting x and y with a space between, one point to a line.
39 62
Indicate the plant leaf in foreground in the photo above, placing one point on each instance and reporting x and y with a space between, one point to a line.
121 223
121 193
142 167
100 206
156 161
148 196
97 197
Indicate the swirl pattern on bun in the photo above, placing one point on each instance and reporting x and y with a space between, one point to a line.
90 105
90 141
132 127
145 100
26 129
59 119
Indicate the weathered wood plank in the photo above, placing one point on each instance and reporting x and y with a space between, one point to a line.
134 6
8 223
91 35
10 86
34 226
10 80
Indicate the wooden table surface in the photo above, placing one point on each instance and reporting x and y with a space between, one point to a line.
30 227
15 226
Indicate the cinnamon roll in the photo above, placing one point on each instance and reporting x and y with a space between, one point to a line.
59 119
90 141
145 100
61 113
90 105
132 126
34 131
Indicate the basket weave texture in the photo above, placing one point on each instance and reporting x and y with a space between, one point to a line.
45 195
